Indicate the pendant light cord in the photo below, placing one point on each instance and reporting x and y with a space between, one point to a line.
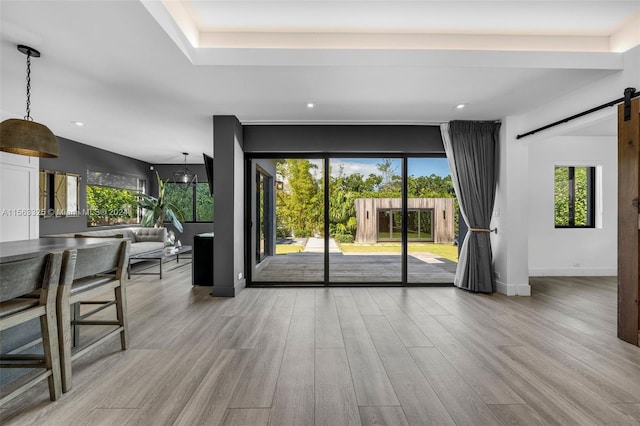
28 116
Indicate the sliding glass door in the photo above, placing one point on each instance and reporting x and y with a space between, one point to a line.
352 220
431 216
295 218
365 214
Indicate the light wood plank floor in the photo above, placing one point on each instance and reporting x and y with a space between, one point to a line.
354 356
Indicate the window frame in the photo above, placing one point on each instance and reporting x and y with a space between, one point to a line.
194 201
141 184
591 198
54 197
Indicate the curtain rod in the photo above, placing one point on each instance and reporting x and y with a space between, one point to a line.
629 93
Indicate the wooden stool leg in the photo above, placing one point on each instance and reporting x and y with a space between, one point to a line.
51 352
64 340
75 328
121 309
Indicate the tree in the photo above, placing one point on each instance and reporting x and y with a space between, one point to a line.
433 186
181 198
299 204
111 206
204 203
391 181
342 209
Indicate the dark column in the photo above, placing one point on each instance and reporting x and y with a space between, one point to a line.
229 211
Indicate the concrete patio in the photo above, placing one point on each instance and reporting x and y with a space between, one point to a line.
308 266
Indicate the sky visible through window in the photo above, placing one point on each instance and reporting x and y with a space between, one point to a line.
367 166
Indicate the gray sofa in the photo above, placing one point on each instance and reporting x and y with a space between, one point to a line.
143 240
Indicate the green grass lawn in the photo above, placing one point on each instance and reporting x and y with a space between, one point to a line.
448 251
288 248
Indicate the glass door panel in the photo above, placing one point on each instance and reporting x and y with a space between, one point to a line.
384 225
426 225
396 225
413 225
431 255
261 211
365 213
295 216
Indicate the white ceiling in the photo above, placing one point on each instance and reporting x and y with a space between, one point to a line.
442 16
125 70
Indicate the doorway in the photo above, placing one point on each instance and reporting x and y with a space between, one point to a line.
289 220
352 220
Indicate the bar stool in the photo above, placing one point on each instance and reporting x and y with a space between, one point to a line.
38 276
87 273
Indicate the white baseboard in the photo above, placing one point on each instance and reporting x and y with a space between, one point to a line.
513 289
573 272
240 285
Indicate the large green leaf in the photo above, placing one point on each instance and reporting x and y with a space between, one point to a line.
157 209
174 220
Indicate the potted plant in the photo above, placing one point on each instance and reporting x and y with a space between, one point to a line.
158 209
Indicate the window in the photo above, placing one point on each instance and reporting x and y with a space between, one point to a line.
419 225
58 194
574 197
195 203
112 199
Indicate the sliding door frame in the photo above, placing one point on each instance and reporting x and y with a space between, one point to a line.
326 157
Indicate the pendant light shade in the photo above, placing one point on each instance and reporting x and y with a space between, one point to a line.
185 177
26 137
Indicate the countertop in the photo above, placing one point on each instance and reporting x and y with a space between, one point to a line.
24 249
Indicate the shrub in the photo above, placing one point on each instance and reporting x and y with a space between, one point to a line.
352 225
343 238
282 232
302 233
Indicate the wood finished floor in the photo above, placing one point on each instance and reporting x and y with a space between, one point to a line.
354 356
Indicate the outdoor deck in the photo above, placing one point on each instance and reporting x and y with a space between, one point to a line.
423 268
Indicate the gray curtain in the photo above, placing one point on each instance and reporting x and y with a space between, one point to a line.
472 150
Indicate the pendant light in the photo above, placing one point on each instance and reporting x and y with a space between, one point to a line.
184 177
25 136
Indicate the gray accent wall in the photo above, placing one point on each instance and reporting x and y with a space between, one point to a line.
76 158
342 138
228 190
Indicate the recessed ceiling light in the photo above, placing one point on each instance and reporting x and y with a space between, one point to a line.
460 106
310 105
78 123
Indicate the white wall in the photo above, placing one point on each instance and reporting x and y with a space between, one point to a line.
238 220
511 248
510 214
572 252
18 197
